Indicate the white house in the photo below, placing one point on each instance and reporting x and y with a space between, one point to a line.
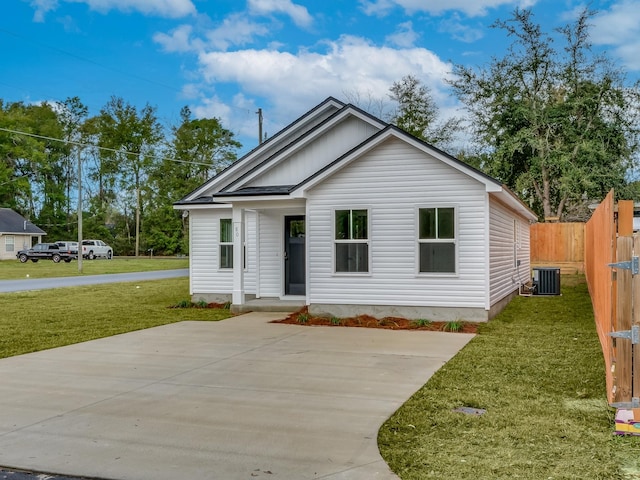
347 214
16 233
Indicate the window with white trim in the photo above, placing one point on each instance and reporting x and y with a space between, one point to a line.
225 241
9 243
437 240
352 241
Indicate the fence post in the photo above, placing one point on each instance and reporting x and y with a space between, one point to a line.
635 319
623 347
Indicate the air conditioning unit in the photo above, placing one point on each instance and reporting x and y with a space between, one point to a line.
546 280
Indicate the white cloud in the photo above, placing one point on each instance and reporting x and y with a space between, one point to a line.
404 36
42 7
293 82
162 8
178 40
299 14
240 114
236 29
459 30
212 107
376 7
617 25
620 27
470 8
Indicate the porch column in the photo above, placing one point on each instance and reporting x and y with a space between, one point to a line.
238 250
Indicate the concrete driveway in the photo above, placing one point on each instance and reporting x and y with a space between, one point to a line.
236 399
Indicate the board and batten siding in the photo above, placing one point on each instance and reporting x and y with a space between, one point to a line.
392 181
506 231
317 154
205 274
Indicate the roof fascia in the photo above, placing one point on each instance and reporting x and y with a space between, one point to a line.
224 175
199 206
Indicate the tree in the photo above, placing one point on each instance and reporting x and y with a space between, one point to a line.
31 166
72 114
199 149
417 112
556 125
132 137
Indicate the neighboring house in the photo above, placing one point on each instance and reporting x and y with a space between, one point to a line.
16 233
349 215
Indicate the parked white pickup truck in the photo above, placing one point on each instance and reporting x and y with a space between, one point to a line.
96 248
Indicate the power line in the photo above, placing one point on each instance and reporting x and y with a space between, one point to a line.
88 60
113 150
106 67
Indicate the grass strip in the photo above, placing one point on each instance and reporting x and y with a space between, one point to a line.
538 371
14 270
32 321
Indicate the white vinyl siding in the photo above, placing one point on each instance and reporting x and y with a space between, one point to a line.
205 273
317 154
508 244
393 180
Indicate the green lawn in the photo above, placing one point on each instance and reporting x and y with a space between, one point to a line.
13 269
538 371
32 321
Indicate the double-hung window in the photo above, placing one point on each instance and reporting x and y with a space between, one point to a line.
225 241
352 241
437 240
9 243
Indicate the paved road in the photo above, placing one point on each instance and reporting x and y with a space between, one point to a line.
47 283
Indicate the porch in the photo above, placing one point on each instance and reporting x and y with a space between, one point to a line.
268 304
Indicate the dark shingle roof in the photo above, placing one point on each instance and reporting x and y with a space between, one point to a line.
13 222
249 191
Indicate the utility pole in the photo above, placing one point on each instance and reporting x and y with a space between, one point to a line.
259 112
79 209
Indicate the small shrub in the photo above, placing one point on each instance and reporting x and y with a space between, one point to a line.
183 304
227 306
335 321
202 304
422 322
303 318
454 326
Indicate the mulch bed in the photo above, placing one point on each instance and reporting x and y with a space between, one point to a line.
302 317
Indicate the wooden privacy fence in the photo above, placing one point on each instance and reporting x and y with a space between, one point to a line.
615 295
558 244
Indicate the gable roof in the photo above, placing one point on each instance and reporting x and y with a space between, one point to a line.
268 148
492 186
220 189
13 222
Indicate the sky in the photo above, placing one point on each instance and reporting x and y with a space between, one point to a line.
229 58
